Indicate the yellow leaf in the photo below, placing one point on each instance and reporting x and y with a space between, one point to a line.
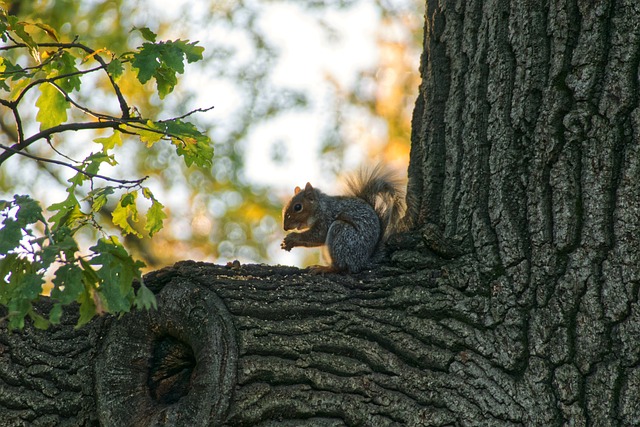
110 141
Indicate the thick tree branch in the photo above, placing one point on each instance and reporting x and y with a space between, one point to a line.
16 148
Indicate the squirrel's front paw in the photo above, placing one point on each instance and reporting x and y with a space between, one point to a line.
286 244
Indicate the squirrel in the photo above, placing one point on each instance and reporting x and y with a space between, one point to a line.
352 228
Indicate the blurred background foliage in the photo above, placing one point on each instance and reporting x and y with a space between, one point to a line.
232 210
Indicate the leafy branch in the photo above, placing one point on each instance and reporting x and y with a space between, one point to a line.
33 246
136 182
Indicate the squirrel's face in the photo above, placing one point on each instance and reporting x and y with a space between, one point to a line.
298 214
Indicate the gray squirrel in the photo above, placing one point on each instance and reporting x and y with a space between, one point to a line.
353 227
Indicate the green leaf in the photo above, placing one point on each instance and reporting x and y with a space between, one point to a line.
89 276
129 199
52 107
112 250
149 135
65 243
68 285
61 247
20 283
115 300
190 143
192 51
89 168
155 217
115 69
126 209
199 152
65 63
9 71
18 309
31 286
87 307
146 61
92 163
55 314
25 287
117 271
39 321
145 298
172 57
166 80
77 179
18 29
99 197
69 213
10 235
29 211
147 34
13 230
163 60
9 264
3 26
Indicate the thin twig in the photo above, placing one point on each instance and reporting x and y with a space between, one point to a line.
190 113
124 107
75 168
60 153
85 110
51 80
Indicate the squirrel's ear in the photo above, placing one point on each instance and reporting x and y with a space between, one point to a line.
308 187
296 190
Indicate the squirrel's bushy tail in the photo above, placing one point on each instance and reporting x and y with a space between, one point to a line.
381 188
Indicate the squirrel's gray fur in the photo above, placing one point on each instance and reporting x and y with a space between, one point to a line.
352 227
380 188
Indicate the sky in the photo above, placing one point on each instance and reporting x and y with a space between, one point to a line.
306 69
307 54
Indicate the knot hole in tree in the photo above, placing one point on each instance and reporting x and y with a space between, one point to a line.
172 366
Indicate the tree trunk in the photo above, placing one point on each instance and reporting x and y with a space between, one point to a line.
526 151
513 300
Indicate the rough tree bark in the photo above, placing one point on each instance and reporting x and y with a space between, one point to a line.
513 300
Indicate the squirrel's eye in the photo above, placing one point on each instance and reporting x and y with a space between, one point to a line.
297 207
